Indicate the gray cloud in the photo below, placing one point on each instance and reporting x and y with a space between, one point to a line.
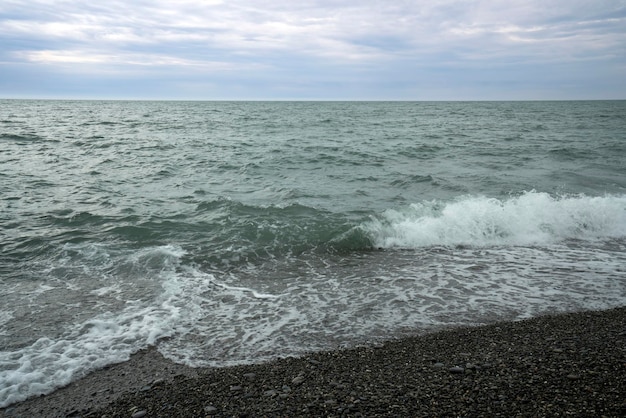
315 43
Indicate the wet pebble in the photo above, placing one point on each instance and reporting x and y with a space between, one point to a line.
456 370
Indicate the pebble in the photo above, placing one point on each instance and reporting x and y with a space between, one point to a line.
456 370
250 376
209 409
337 385
271 393
235 388
438 365
297 380
140 414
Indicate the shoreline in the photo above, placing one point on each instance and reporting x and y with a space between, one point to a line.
101 387
563 364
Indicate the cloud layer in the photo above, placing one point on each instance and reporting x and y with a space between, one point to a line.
319 49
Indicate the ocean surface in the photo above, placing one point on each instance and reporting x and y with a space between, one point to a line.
236 232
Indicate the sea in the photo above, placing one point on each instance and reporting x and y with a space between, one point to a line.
225 233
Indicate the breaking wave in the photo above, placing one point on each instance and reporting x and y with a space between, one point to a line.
530 219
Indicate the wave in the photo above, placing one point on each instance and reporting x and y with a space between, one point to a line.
241 233
224 233
20 138
529 219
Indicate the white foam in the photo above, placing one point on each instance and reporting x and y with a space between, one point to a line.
106 290
532 218
42 289
253 292
107 338
337 301
48 364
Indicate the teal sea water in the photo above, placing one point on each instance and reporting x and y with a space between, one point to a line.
234 232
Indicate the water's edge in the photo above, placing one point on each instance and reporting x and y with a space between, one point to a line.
147 370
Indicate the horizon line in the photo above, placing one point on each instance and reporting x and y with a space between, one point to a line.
304 100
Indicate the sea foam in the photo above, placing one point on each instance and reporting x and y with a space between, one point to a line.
106 338
530 219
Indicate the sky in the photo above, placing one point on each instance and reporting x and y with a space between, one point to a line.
313 49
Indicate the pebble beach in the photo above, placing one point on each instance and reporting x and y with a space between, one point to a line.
558 365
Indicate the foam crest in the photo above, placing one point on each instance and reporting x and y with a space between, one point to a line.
254 293
532 218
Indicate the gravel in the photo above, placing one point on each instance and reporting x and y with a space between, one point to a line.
563 365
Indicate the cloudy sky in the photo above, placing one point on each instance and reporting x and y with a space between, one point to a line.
313 49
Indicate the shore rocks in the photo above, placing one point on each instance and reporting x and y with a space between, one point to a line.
508 369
